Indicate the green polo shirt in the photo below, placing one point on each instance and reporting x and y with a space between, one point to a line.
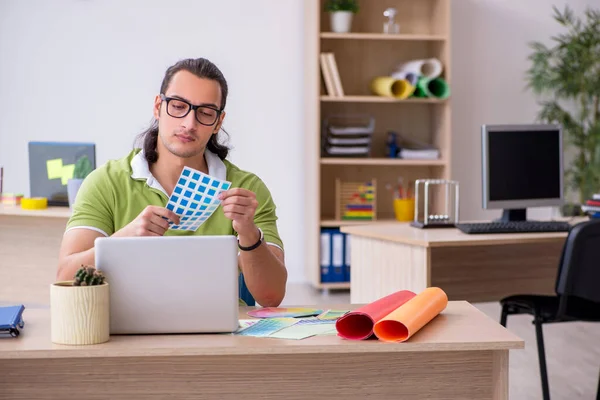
116 193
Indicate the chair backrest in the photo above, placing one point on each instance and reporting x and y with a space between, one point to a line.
579 269
244 292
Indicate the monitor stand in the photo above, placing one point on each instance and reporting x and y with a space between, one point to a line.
515 214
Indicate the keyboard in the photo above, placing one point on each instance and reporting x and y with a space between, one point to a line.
514 227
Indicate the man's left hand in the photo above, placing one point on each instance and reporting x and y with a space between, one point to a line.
239 205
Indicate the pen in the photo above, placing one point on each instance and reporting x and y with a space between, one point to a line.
1 178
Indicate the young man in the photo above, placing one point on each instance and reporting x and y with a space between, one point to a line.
127 197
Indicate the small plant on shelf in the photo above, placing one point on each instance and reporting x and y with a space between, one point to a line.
341 5
341 13
83 167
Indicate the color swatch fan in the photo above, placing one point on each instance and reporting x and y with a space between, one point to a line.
194 198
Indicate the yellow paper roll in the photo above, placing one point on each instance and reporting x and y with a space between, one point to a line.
390 87
34 203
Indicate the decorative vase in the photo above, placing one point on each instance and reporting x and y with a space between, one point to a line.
341 21
73 186
79 315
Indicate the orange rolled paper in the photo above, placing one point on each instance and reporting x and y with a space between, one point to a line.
407 319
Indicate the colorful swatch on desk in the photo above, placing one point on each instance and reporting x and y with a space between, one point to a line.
266 327
281 312
332 315
304 329
194 198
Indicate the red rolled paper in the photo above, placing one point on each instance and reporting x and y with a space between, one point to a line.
358 324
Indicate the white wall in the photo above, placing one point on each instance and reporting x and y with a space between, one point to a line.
89 70
489 60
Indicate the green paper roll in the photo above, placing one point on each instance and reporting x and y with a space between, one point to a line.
437 88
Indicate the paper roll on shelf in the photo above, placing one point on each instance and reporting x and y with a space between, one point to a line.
436 88
409 318
429 68
390 87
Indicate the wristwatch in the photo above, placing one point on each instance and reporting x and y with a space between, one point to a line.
255 245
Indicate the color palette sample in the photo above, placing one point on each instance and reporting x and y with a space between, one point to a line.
195 199
281 312
266 327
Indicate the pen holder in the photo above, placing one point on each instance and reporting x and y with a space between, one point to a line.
404 209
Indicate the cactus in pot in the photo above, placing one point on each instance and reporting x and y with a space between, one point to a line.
79 309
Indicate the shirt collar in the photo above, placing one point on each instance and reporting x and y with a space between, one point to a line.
141 170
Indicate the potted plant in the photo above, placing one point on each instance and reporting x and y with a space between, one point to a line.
341 13
79 309
83 167
566 76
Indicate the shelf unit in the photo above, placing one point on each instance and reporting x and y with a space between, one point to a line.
361 55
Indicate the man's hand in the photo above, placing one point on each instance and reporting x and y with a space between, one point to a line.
150 222
239 205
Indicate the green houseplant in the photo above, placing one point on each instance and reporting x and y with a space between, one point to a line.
341 13
566 76
83 167
79 309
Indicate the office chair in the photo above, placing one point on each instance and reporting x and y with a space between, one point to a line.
244 292
577 290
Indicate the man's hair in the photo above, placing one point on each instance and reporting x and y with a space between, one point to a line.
202 68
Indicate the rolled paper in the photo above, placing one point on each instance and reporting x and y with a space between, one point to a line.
358 324
409 318
421 88
438 88
428 68
390 87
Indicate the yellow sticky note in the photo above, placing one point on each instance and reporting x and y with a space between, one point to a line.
67 173
55 168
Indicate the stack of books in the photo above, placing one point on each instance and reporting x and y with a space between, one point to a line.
592 206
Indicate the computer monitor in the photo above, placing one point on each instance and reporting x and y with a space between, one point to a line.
51 165
522 166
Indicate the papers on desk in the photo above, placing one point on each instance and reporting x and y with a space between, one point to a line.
292 328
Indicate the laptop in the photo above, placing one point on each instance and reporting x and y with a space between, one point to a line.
171 284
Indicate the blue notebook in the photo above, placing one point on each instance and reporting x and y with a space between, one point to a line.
11 319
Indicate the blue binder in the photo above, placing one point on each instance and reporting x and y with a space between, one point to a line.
346 257
325 250
11 320
337 256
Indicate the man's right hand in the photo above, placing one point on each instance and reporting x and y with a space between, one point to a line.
150 222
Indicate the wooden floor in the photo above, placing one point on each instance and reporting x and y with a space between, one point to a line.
572 350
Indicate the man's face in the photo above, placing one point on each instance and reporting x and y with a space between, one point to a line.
186 137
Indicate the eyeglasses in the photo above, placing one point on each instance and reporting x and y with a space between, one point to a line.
178 108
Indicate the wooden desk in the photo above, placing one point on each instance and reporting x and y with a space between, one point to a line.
485 267
461 354
29 245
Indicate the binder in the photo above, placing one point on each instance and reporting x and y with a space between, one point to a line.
337 257
325 255
346 257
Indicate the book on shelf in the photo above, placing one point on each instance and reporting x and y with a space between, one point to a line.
331 75
411 149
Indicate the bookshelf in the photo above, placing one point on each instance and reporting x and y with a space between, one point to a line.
360 55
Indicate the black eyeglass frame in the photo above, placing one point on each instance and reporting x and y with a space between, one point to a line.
191 107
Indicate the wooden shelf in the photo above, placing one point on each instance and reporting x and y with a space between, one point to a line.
381 99
383 36
334 285
333 223
381 161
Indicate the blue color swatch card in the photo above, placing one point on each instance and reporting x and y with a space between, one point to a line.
194 198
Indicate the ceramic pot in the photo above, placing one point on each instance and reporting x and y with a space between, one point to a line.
79 315
341 21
